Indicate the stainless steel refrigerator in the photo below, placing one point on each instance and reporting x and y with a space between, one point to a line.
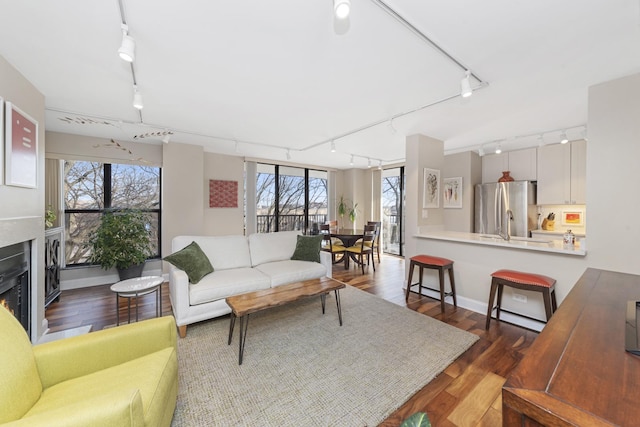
506 207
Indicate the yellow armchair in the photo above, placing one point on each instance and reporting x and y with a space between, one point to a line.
124 376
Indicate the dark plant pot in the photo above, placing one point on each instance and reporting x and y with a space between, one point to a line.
131 272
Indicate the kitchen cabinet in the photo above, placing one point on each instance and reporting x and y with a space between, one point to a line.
562 173
521 163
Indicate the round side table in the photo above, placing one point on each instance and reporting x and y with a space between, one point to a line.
134 288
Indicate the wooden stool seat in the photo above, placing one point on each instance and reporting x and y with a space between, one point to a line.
434 263
524 281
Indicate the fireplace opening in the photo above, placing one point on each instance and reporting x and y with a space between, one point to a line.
15 282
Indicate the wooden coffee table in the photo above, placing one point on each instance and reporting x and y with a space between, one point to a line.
245 304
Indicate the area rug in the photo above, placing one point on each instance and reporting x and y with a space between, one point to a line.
301 368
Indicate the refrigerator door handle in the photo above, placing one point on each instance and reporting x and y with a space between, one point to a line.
498 204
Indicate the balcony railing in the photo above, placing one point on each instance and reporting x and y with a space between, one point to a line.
266 223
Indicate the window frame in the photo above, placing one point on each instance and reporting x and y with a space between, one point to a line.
107 201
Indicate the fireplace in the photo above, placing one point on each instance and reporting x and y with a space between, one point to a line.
15 282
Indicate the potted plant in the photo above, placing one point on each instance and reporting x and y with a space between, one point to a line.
353 213
121 241
342 208
49 217
419 419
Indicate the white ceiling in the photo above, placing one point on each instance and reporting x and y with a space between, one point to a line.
254 77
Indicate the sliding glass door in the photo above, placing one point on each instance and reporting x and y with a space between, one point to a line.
393 203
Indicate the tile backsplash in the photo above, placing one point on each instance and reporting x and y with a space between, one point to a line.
567 217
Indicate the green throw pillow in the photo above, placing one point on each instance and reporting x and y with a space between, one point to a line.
192 260
308 248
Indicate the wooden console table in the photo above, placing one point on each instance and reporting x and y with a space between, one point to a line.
577 372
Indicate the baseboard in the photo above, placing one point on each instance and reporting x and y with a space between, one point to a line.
107 279
481 307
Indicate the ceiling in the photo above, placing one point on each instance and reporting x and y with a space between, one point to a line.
256 78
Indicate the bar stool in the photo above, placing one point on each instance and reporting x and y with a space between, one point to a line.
434 263
526 281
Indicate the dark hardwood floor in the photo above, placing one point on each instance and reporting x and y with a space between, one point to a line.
467 393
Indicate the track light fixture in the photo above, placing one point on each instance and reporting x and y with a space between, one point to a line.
392 128
137 98
379 165
333 147
341 8
127 49
498 149
481 151
351 161
166 138
369 163
563 138
465 85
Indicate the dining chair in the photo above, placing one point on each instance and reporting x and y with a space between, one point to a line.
333 228
365 247
376 242
329 245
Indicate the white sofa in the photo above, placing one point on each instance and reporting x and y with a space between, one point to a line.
241 264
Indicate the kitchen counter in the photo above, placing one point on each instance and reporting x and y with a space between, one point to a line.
476 257
519 243
557 233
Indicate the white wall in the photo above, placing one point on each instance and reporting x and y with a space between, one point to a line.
182 192
467 165
612 182
66 146
352 184
422 152
22 209
223 221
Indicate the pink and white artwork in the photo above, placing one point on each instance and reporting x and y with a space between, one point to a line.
21 148
223 194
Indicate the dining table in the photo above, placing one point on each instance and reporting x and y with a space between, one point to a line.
349 238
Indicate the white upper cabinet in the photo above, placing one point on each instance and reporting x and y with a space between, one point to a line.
562 173
521 164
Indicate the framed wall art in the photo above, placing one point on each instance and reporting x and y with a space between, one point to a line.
452 193
21 148
431 192
575 218
223 194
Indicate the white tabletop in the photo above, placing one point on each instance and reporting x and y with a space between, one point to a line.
137 284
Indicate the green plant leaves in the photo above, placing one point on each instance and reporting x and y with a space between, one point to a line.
121 240
419 419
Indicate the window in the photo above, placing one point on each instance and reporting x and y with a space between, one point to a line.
91 188
300 196
393 200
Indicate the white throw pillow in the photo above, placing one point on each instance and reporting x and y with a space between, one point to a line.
269 247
